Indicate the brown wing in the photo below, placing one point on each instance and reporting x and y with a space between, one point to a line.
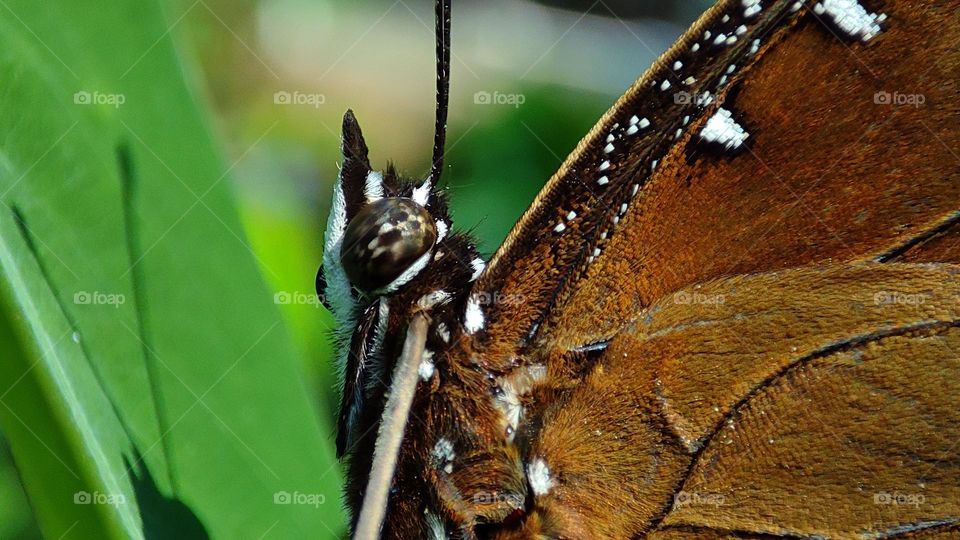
595 410
830 171
808 403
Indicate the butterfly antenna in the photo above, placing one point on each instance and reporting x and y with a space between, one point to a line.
443 88
392 425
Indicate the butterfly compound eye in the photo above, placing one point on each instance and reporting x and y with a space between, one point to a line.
383 240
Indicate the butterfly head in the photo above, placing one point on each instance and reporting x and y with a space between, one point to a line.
389 252
399 282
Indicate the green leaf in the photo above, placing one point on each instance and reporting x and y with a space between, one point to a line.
145 361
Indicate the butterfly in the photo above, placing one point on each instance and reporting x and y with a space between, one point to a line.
733 311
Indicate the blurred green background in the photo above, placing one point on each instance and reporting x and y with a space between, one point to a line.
276 76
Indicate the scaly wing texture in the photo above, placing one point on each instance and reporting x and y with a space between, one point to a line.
813 402
833 169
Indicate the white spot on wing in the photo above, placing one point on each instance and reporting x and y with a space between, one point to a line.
473 318
752 8
722 129
851 17
538 474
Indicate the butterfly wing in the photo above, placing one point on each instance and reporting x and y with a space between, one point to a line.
803 403
773 139
581 396
851 154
